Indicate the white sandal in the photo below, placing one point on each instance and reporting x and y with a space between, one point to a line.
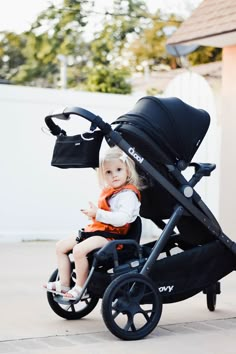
74 294
55 287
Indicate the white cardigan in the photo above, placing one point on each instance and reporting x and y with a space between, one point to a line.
124 209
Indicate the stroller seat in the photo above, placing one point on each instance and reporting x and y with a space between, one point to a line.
111 255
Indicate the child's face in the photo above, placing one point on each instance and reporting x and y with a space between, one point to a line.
115 173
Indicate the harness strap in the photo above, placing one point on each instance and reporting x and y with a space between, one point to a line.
83 235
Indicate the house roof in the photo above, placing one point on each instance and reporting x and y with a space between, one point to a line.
213 23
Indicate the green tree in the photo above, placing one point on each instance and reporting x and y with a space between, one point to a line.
11 57
129 38
107 49
124 21
108 79
205 55
149 48
57 31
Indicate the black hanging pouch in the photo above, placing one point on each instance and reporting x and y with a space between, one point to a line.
78 151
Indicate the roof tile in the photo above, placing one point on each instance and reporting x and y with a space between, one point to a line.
212 17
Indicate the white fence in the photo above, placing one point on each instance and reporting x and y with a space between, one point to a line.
37 200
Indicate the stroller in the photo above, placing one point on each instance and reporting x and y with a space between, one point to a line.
191 254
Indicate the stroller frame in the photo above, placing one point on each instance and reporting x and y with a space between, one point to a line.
188 202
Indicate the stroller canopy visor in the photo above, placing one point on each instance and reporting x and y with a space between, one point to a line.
176 127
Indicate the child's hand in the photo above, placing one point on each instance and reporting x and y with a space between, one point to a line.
91 212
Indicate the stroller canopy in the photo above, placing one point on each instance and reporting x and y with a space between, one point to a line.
176 127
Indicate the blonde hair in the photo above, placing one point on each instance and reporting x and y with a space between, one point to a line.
115 153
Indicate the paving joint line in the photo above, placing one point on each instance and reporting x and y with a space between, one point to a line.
167 327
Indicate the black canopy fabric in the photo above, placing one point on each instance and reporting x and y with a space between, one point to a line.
175 126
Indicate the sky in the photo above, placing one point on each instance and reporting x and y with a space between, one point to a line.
17 15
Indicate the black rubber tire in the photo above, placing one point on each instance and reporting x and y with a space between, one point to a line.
70 311
131 306
211 298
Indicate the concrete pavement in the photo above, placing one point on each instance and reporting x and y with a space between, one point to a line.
28 325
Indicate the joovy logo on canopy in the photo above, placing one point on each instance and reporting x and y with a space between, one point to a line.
135 155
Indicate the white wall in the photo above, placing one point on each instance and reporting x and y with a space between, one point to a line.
39 201
228 122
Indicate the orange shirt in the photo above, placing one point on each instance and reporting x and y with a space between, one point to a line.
106 194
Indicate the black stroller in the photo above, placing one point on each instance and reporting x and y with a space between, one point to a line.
192 253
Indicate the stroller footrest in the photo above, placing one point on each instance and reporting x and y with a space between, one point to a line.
134 265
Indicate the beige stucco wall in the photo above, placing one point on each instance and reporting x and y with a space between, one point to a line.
228 149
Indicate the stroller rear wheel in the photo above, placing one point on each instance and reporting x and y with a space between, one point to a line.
131 306
211 300
211 296
69 310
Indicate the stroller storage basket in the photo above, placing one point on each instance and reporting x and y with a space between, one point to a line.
78 151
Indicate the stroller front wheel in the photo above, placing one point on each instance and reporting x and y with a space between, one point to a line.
131 306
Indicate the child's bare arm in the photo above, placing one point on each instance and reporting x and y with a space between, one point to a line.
91 211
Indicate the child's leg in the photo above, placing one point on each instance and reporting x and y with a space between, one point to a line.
80 252
63 261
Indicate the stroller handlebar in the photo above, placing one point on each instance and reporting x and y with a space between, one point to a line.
65 115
